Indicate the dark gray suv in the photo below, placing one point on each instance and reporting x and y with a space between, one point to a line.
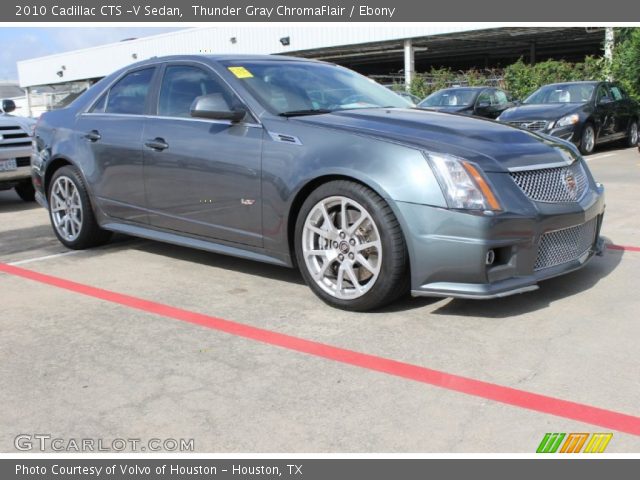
298 162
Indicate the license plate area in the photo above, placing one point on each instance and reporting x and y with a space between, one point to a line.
8 165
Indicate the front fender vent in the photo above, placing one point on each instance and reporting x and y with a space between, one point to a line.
283 138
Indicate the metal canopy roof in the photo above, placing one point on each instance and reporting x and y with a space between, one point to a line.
370 49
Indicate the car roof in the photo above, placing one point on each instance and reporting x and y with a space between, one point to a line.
225 58
581 82
467 88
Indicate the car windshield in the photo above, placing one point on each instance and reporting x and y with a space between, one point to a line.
562 93
300 88
458 97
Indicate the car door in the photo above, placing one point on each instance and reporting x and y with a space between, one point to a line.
605 112
623 109
110 144
483 106
202 176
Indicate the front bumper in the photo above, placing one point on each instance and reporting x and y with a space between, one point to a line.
449 249
569 133
22 173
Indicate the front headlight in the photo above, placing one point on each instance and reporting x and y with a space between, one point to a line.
568 120
462 184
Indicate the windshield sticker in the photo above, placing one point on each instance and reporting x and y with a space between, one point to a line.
240 72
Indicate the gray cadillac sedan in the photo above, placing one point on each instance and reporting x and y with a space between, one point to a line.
308 164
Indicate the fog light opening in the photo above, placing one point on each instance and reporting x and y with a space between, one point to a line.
491 257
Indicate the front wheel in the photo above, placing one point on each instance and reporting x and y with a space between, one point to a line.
588 139
350 248
70 211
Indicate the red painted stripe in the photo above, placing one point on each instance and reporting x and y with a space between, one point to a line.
623 247
519 398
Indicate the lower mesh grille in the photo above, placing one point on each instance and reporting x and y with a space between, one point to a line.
565 245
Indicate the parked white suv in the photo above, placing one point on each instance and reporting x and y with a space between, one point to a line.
15 152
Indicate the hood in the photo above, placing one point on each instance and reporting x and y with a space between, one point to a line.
545 111
495 147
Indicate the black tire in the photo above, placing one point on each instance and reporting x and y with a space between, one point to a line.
585 146
632 132
90 234
393 278
26 191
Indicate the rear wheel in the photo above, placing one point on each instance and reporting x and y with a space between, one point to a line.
632 134
70 211
26 191
588 139
350 248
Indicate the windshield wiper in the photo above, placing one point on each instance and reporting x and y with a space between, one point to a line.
299 113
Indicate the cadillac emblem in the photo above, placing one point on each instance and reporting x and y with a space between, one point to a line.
571 185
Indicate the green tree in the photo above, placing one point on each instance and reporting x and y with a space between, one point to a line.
626 62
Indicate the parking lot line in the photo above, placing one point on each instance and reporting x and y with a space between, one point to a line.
595 157
519 398
46 257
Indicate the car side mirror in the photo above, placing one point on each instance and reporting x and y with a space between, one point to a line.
8 106
215 107
605 101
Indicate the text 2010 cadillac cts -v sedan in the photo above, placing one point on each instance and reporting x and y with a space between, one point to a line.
298 162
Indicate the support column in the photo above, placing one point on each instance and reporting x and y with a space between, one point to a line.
409 63
28 90
609 40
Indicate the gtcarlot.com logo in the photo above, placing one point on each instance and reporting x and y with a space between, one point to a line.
573 442
27 442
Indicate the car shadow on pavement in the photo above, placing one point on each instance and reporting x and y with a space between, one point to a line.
550 291
274 272
609 147
11 202
240 265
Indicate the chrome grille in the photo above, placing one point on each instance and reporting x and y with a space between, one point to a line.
533 125
553 185
14 136
562 246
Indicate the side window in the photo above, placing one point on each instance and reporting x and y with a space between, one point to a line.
501 98
98 107
484 98
616 93
603 93
129 95
182 84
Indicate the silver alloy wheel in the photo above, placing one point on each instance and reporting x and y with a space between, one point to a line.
633 134
589 138
341 247
66 208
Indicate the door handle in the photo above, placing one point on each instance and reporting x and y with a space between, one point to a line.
93 136
157 144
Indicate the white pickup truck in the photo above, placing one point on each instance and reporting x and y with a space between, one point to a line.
15 152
